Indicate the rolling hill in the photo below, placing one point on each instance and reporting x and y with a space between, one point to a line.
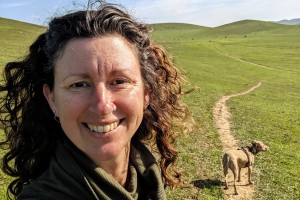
246 27
222 61
15 36
242 28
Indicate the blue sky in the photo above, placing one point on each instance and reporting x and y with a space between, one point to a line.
202 12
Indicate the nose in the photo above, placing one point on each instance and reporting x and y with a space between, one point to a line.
101 102
266 148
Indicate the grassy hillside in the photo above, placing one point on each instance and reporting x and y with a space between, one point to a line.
246 27
15 38
176 31
221 61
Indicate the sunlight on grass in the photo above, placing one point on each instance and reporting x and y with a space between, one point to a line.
270 113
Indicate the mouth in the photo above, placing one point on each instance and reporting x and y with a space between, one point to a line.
103 129
267 148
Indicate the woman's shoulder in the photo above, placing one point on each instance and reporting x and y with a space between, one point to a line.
58 182
31 192
34 191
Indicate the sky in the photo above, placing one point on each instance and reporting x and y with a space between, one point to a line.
210 13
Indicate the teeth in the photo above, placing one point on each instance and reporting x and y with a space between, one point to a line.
103 129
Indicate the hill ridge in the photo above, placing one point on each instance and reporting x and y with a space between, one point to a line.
6 21
295 21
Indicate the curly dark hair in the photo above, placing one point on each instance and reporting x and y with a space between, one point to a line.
31 131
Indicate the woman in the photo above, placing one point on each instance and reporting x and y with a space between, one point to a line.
91 112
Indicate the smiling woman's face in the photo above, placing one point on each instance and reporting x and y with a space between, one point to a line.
98 95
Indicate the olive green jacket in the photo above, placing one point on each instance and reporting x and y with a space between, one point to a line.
73 176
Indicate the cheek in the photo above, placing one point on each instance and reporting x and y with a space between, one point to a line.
69 106
136 99
132 103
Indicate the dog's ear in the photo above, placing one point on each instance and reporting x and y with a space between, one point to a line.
255 144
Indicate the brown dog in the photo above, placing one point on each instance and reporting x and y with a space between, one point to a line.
241 158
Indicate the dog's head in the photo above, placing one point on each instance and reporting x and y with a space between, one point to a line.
257 146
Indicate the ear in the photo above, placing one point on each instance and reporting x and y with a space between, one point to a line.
49 95
254 144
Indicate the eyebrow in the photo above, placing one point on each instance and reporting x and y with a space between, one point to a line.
120 69
82 75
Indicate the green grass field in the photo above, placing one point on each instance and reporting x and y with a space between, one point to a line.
271 113
15 38
209 57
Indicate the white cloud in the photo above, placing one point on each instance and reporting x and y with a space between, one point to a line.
213 12
201 12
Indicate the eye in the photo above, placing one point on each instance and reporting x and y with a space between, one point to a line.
80 85
120 83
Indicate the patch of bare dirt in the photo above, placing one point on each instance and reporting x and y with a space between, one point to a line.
222 123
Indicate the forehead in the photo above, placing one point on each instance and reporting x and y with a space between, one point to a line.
104 45
98 49
98 54
260 143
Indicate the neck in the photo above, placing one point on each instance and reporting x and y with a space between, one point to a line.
117 167
119 173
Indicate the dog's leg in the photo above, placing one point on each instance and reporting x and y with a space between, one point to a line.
234 181
225 170
226 184
249 174
239 177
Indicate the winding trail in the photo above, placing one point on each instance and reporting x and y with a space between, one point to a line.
241 60
252 63
221 119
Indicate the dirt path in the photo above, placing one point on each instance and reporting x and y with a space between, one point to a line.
241 60
221 119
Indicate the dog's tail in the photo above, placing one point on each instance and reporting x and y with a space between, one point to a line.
225 163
